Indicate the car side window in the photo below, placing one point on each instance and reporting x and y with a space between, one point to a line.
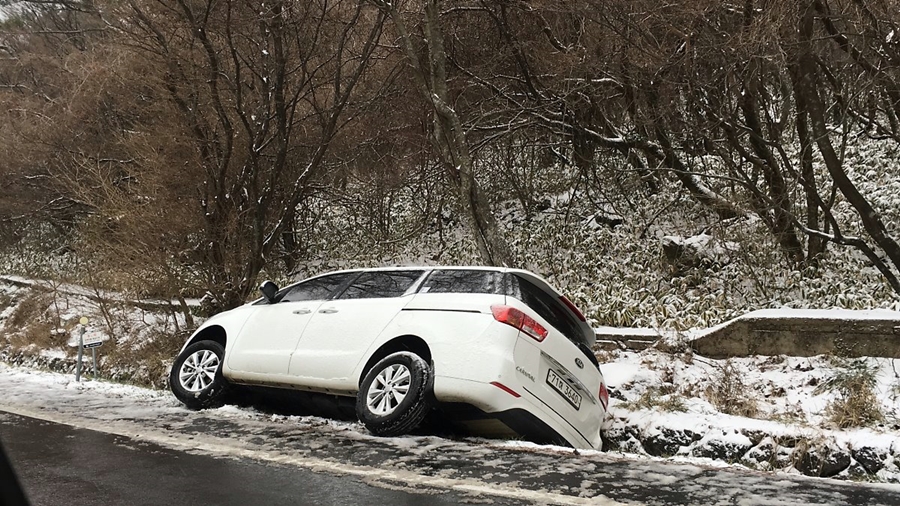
463 281
316 289
376 284
549 308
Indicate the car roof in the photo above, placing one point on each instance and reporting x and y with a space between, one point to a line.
434 267
537 280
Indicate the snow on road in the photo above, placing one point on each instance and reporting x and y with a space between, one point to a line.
426 464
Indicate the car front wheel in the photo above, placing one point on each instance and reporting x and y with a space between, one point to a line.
196 377
395 395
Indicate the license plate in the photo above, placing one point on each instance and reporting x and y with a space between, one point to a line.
564 389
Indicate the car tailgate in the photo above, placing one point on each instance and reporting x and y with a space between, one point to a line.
558 374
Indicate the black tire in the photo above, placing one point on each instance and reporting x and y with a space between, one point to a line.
376 405
192 380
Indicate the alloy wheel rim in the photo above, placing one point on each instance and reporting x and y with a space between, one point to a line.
388 390
199 370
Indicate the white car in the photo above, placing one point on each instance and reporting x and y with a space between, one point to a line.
498 347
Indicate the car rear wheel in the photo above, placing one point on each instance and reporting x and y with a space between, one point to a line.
196 378
395 395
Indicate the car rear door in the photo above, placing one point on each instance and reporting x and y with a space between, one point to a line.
341 330
270 335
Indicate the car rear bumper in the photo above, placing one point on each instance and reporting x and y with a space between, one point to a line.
524 413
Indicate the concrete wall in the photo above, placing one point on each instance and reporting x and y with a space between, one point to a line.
799 333
802 337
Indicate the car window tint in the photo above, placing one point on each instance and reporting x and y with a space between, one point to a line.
316 289
462 281
550 308
380 284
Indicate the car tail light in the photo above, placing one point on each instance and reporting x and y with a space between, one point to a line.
505 388
604 395
572 308
515 318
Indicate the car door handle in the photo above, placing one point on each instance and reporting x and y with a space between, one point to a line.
328 311
302 311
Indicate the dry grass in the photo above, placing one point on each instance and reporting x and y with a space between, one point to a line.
729 394
143 365
6 300
789 416
862 410
856 404
30 309
663 398
39 334
31 325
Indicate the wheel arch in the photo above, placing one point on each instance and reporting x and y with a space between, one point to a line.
410 343
214 333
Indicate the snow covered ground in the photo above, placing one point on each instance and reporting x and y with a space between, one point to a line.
677 405
426 464
11 9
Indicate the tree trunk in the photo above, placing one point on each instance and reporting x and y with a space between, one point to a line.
815 245
808 87
782 226
449 136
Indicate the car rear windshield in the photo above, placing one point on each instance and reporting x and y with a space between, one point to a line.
463 281
550 308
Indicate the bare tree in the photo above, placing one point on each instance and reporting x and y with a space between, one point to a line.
260 89
448 134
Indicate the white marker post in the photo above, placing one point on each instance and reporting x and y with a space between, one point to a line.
83 341
81 328
94 360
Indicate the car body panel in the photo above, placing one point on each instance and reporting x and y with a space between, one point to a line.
337 337
477 360
454 302
270 336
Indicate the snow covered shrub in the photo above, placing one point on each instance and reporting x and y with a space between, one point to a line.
789 415
856 404
39 252
729 394
145 361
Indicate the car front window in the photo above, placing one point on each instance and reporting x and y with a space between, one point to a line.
319 288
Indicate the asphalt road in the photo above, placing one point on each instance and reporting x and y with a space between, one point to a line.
154 448
63 465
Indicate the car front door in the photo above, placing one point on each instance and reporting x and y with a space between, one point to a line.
269 337
339 333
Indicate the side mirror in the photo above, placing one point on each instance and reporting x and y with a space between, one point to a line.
269 289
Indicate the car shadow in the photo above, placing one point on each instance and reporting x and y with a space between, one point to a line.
277 401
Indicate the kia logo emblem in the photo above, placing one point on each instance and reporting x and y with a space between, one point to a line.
579 363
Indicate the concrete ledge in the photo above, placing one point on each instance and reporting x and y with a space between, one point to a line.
792 332
804 333
622 338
